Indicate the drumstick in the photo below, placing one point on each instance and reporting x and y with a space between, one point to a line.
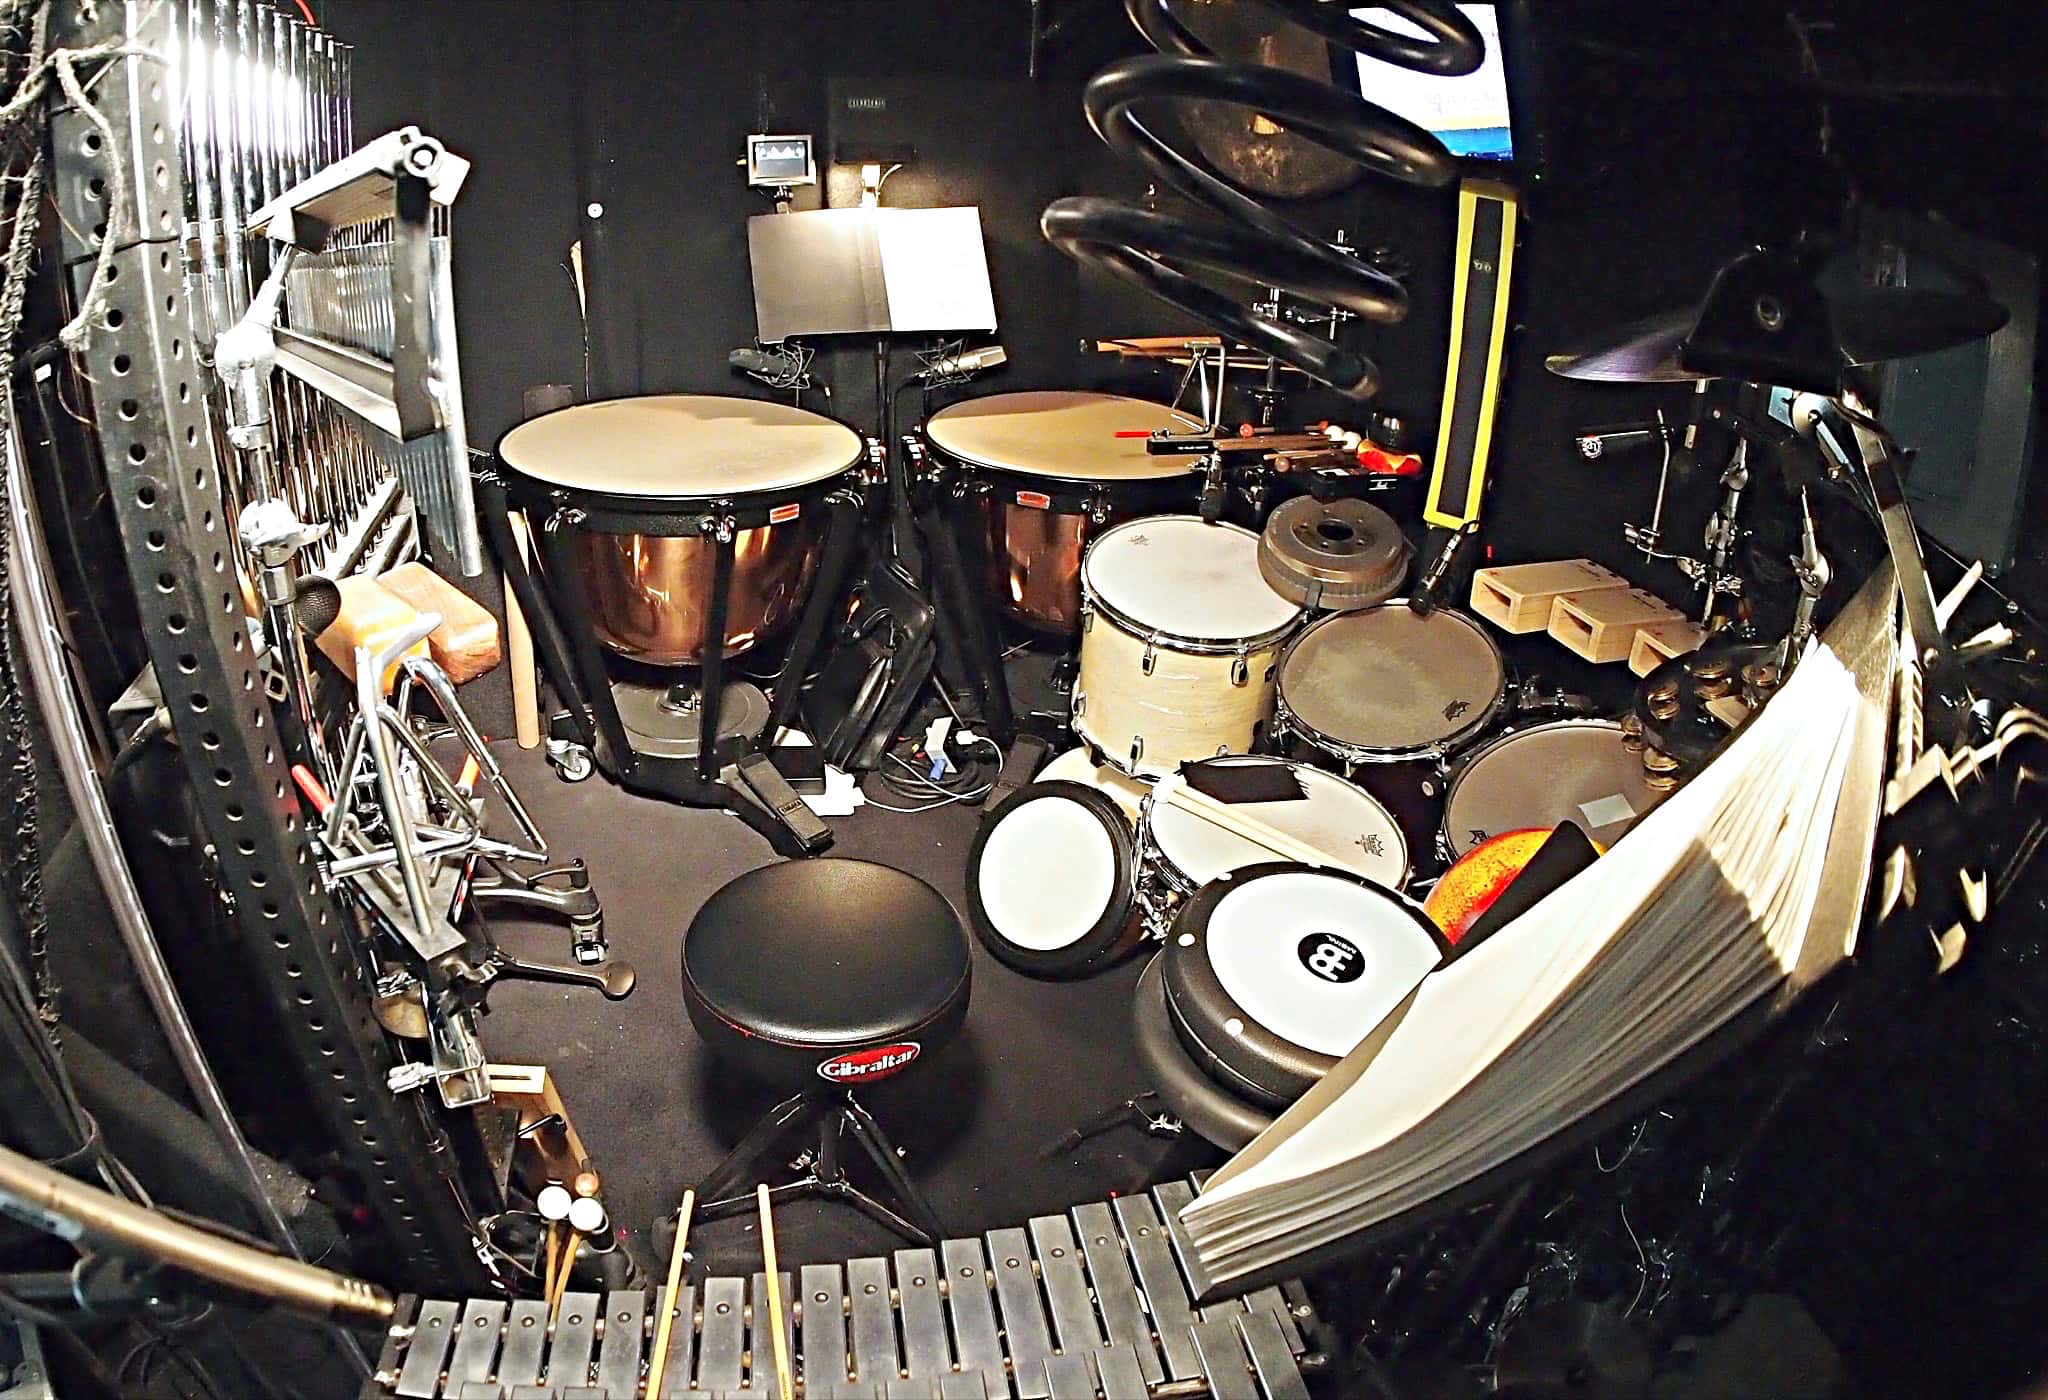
659 1361
774 1293
1175 791
519 651
547 1285
562 1282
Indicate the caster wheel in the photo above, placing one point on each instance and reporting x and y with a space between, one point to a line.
572 762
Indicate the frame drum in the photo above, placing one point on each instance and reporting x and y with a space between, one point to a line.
1052 880
1276 972
1340 819
1572 770
1179 638
1056 468
674 462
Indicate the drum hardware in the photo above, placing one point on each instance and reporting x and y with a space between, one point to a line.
1141 1110
593 525
1443 560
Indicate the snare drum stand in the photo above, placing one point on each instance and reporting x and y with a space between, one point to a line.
726 765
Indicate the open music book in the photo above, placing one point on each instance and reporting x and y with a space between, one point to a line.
1705 907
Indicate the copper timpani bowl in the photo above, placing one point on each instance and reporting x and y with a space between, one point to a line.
1053 470
671 457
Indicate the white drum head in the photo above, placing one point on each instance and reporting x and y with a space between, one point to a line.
680 445
1343 821
1066 436
1386 679
1079 766
1568 771
1047 875
1182 577
1317 960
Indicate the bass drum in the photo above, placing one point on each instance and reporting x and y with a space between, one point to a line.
1343 821
1275 972
1179 639
1052 881
1570 770
1044 473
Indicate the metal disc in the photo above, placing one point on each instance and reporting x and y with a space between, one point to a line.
662 721
1335 555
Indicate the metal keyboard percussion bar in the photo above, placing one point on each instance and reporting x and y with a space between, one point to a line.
265 102
1091 1303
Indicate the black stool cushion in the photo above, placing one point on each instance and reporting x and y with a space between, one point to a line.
816 972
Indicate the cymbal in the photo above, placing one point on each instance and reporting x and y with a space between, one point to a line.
1870 324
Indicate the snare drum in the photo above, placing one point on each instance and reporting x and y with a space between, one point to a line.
1572 770
1343 821
1179 637
1389 695
1044 473
649 481
1276 972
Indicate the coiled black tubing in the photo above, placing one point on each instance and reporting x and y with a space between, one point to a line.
1163 252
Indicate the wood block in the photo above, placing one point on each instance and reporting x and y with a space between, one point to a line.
1517 597
1659 642
371 616
1602 625
465 645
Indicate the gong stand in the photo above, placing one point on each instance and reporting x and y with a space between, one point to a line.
731 772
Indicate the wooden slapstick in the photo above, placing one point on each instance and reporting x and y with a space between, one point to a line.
1174 791
659 1361
775 1322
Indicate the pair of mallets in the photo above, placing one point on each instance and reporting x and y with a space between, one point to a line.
776 1324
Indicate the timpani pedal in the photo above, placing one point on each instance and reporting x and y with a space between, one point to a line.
1066 1307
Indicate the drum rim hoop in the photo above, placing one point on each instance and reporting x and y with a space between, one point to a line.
1439 748
925 434
1061 487
1107 933
1186 644
1468 761
1183 969
860 440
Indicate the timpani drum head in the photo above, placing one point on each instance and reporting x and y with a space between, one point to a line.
1050 879
1341 820
1572 770
1388 681
1078 765
680 446
1182 578
1275 973
1067 436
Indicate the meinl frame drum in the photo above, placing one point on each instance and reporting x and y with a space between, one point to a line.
1569 770
1179 638
1042 474
1343 821
1277 971
649 481
1389 695
1052 880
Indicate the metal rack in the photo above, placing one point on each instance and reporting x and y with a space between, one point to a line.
150 396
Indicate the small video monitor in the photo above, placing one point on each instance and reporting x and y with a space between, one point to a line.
1470 113
777 162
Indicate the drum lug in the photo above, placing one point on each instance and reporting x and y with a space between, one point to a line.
1241 670
1149 659
1087 619
1137 750
1098 507
1080 703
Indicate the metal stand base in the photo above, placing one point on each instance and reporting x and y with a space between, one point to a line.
831 1115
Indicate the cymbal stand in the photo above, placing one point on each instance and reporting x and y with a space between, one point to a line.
1723 533
1812 570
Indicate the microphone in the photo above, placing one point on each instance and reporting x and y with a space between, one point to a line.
768 364
966 362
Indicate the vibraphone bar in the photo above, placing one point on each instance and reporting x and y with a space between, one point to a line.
1068 1307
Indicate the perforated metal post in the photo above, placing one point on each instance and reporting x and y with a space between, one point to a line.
149 397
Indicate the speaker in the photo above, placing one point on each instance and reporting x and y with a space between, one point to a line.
1472 374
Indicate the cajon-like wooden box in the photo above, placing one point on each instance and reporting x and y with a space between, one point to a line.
1517 597
1659 642
1601 626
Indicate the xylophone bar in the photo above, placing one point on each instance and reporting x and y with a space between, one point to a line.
1070 1307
